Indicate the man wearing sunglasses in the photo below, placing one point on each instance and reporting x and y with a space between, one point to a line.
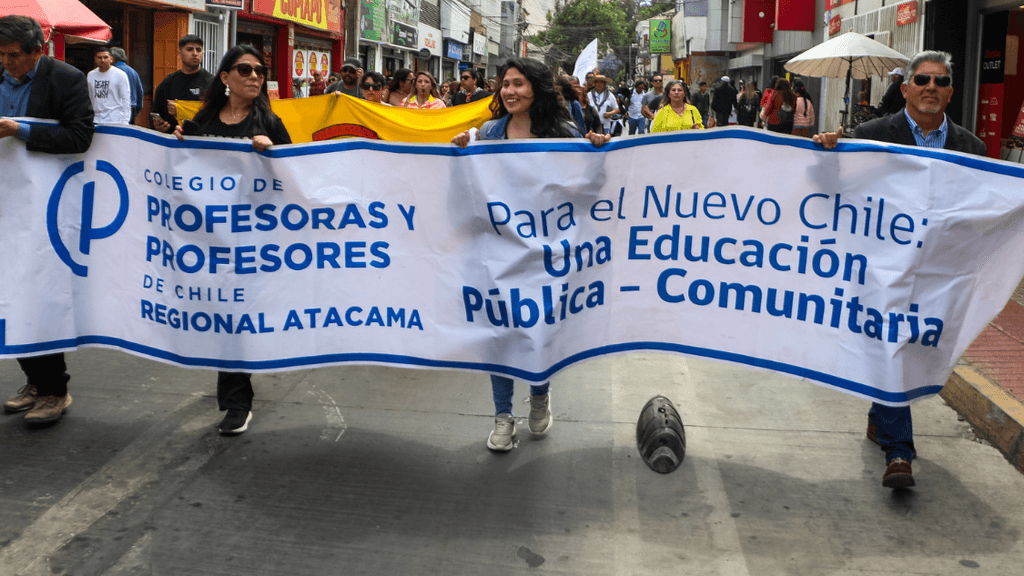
351 74
189 83
471 91
922 122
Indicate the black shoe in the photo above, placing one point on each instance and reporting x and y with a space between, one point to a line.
236 422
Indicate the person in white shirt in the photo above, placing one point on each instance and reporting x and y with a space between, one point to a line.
604 102
637 121
109 90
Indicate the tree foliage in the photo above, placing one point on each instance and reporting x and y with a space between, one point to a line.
575 23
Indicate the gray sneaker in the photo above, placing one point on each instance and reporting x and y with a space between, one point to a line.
540 414
500 439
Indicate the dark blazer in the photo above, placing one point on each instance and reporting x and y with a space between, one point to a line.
60 92
895 129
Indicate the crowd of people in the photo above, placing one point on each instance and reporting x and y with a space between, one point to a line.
527 101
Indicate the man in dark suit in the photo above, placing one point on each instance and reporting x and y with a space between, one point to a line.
38 86
922 122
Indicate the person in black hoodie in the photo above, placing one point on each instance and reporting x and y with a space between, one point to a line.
723 101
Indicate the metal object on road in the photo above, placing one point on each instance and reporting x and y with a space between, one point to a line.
660 437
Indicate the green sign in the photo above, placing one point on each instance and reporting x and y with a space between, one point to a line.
661 34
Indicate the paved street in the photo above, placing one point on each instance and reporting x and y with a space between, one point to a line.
373 470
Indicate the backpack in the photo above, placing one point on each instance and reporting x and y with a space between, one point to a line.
785 114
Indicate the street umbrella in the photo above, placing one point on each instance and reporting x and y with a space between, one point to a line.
69 17
851 55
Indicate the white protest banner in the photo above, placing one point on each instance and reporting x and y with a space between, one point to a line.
868 269
586 62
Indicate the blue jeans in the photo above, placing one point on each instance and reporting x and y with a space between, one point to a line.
502 388
637 125
895 430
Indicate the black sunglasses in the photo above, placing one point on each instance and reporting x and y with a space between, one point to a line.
466 77
246 69
940 81
372 86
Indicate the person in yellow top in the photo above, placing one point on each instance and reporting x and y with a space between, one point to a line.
676 114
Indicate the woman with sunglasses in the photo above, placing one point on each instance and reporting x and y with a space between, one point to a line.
426 94
399 88
236 106
529 106
372 84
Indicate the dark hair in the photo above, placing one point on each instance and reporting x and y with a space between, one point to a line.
102 48
377 78
193 39
568 91
118 54
215 98
398 78
433 83
785 92
23 30
798 87
548 114
475 75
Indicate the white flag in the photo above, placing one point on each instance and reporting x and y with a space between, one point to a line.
587 61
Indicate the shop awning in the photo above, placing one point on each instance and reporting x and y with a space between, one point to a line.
69 17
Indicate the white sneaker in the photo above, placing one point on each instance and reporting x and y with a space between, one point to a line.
500 439
540 414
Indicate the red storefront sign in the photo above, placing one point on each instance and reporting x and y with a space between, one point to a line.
758 18
834 25
794 15
906 13
830 4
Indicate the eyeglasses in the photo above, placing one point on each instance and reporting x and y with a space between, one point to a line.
247 69
372 87
940 81
349 69
656 80
466 77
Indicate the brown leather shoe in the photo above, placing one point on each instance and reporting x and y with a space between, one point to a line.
21 401
873 433
898 474
48 409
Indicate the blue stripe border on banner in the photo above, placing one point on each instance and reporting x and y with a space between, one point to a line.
560 145
402 360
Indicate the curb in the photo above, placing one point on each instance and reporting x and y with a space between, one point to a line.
995 415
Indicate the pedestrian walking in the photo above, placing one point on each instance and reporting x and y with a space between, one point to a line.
803 114
676 114
527 107
109 90
604 102
701 100
189 83
121 62
778 114
748 106
723 101
237 106
635 107
35 85
923 122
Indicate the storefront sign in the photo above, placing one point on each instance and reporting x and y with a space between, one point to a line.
836 3
325 64
480 44
372 19
299 67
190 4
834 25
404 35
1018 128
906 13
226 4
320 14
429 39
661 36
453 50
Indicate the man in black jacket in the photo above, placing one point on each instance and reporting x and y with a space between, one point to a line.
723 101
189 83
893 100
472 88
922 123
38 86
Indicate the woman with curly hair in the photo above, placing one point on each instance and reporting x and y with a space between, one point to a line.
528 106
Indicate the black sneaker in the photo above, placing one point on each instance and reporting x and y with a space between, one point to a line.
235 422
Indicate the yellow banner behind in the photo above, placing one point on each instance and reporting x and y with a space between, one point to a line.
334 116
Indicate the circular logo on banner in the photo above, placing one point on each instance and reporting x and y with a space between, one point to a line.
299 61
323 64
